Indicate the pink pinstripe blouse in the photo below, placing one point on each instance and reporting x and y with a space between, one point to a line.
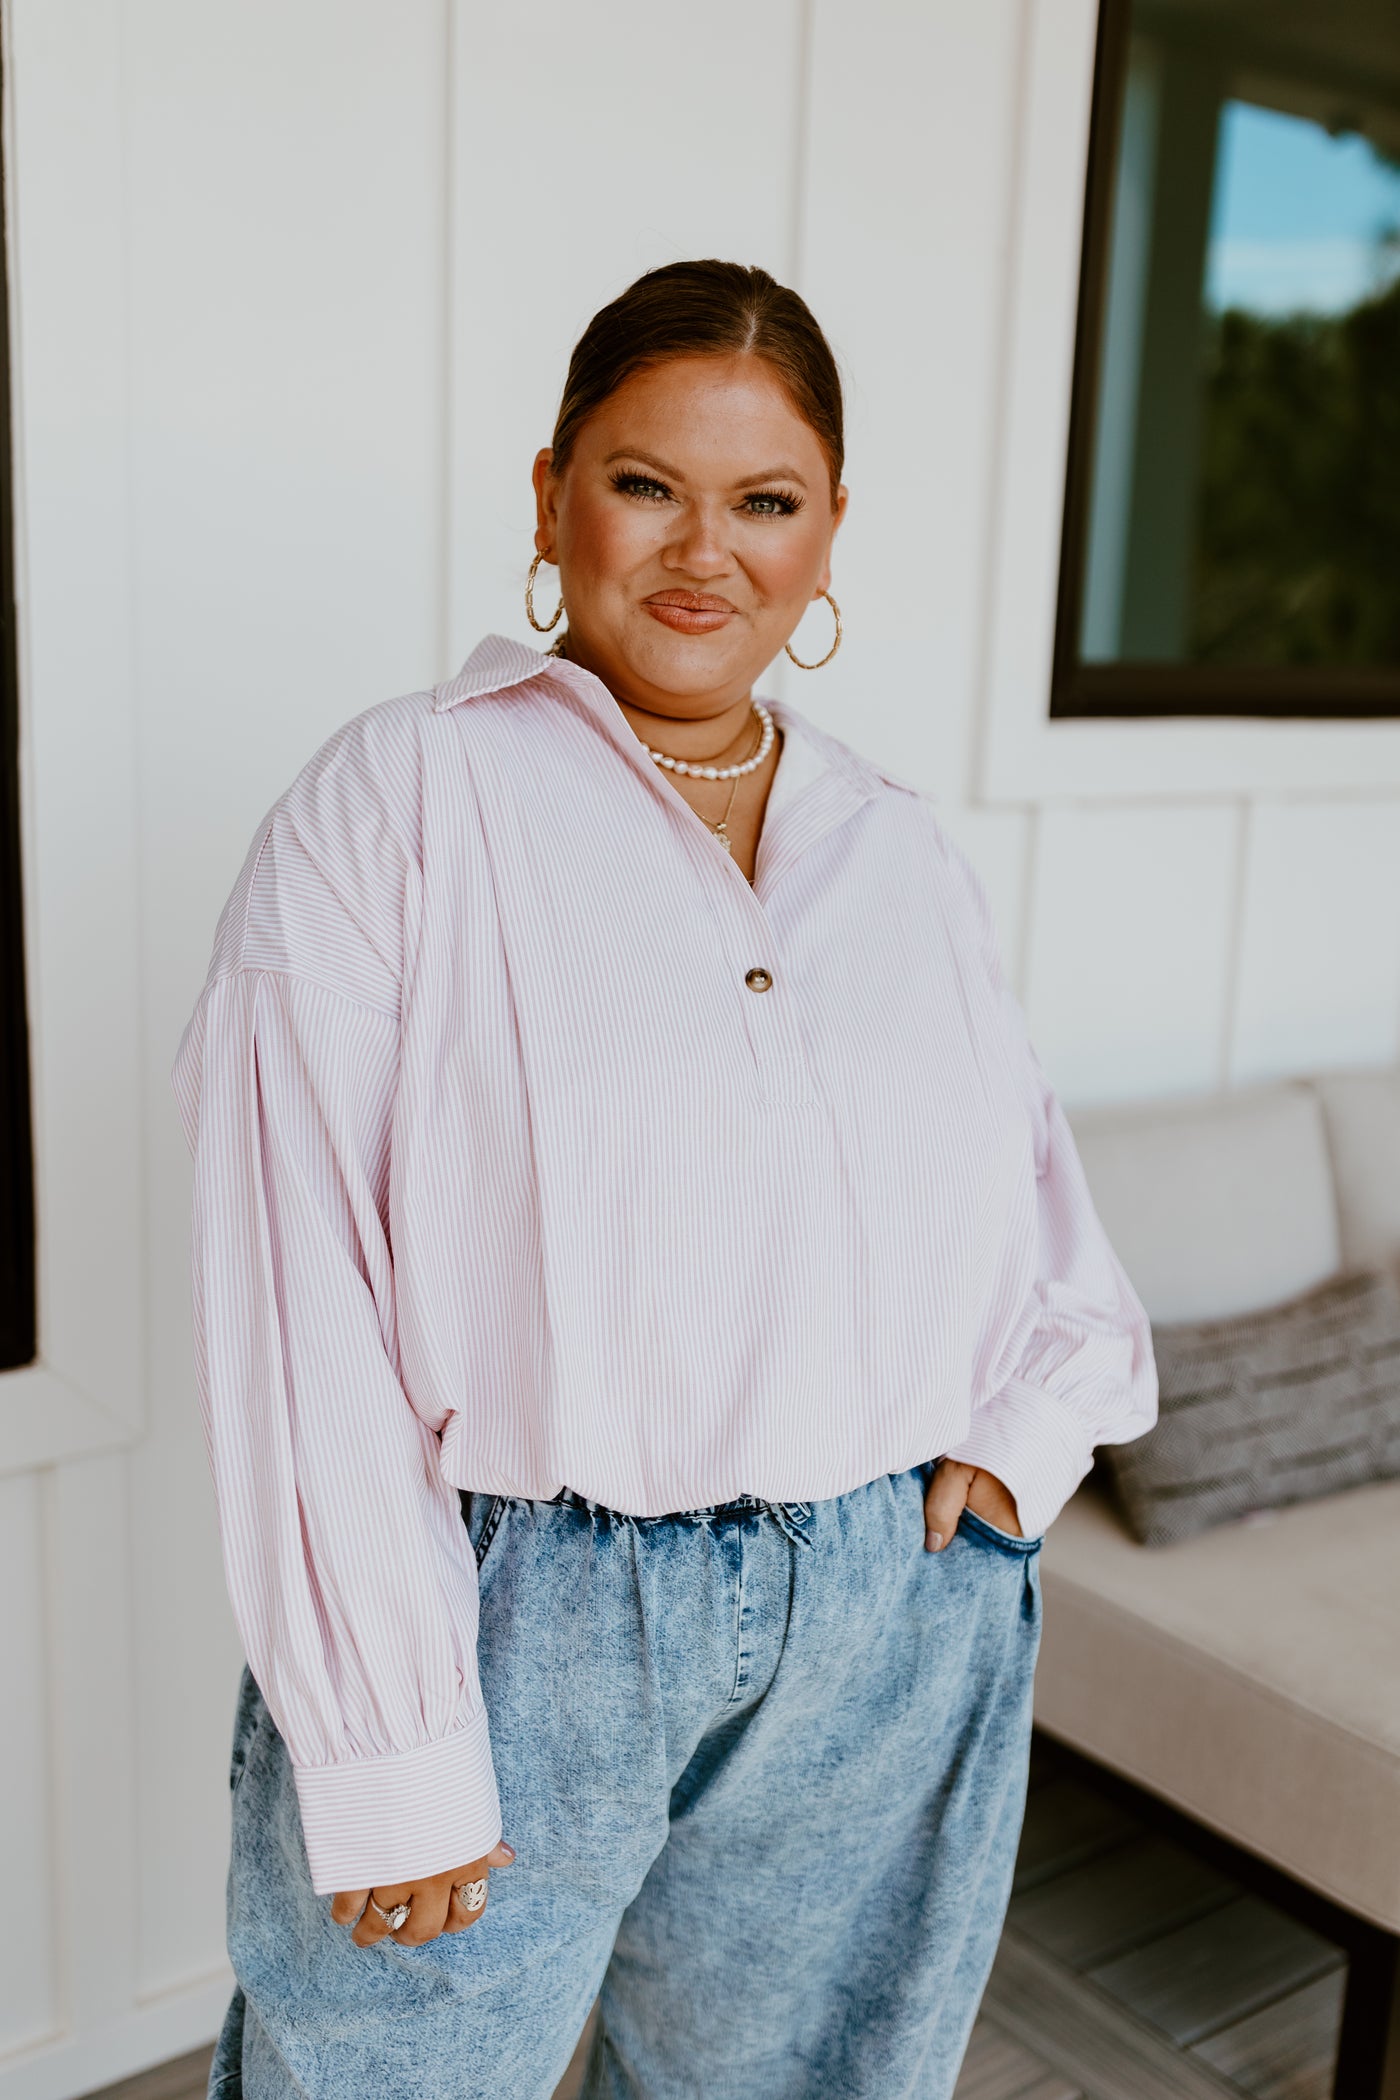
510 1174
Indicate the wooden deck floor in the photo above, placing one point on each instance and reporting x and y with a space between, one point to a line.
1127 1971
1130 1971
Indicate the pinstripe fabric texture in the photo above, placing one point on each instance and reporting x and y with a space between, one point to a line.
506 1178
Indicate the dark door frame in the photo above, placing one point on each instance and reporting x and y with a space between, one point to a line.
1113 691
18 1336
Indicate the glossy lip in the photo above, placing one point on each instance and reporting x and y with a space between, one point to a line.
688 612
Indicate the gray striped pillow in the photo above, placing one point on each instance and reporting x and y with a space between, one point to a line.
1267 1408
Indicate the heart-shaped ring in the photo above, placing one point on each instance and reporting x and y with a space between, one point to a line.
471 1894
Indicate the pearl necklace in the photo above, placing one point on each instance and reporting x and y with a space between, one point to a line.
700 771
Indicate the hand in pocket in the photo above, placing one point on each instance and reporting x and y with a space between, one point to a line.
955 1487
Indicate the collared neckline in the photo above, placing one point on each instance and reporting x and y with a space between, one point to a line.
500 662
497 661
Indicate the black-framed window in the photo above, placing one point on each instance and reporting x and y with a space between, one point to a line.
1231 539
17 1317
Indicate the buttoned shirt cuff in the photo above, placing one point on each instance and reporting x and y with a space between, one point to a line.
1036 1446
373 1822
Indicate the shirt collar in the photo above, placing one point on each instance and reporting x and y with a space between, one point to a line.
496 663
499 662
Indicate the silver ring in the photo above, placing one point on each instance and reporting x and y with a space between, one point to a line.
471 1894
395 1917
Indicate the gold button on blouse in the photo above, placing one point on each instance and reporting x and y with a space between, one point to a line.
757 980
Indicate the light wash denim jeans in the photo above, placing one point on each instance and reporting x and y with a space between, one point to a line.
764 1768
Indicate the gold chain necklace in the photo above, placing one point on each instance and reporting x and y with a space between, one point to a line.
719 830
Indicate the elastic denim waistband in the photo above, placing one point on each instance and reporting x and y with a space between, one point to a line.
790 1517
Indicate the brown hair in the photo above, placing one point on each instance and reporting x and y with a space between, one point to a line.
705 309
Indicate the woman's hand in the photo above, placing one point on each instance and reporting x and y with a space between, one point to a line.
954 1487
435 1905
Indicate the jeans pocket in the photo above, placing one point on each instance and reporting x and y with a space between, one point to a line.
978 1528
482 1516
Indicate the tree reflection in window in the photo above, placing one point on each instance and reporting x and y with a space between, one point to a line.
1232 538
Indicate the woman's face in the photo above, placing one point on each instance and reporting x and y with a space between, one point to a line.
692 527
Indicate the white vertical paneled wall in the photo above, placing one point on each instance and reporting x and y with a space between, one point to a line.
287 211
28 2005
1319 938
910 163
1129 945
590 143
331 258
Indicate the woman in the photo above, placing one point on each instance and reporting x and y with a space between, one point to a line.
648 1310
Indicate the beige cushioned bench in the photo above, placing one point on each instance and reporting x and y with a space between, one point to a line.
1251 1676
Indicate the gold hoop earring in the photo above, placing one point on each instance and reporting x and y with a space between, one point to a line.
836 615
540 626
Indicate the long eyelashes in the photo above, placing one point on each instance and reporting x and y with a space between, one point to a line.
645 488
785 505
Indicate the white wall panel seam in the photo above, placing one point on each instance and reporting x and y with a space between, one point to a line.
152 1049
801 144
994 469
1018 965
30 1990
59 1896
86 1529
447 325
